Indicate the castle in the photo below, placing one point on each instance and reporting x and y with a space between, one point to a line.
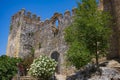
28 32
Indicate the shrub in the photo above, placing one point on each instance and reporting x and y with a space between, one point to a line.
8 67
11 27
43 67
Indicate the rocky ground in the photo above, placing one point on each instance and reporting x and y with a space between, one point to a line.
110 70
107 74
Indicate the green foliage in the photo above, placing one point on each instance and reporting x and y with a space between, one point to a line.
8 67
90 28
11 26
32 52
43 67
32 33
78 54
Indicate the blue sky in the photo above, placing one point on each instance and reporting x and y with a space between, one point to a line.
43 8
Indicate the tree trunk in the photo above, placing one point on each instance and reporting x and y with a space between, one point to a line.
97 52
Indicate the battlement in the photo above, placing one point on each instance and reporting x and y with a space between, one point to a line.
67 12
28 17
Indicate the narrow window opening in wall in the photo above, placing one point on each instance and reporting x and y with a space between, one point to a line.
55 26
56 23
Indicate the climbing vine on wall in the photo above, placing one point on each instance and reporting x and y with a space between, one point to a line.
11 27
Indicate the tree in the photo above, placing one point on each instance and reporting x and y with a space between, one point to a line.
89 28
78 54
8 67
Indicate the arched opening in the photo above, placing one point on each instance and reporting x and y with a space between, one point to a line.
56 23
56 56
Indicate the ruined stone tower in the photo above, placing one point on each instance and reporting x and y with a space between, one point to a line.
113 6
28 32
22 28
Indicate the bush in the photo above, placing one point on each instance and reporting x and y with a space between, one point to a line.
8 67
43 68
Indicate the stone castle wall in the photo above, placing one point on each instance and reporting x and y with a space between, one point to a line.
113 6
29 32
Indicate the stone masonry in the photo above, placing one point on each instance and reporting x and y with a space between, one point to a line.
113 6
28 32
